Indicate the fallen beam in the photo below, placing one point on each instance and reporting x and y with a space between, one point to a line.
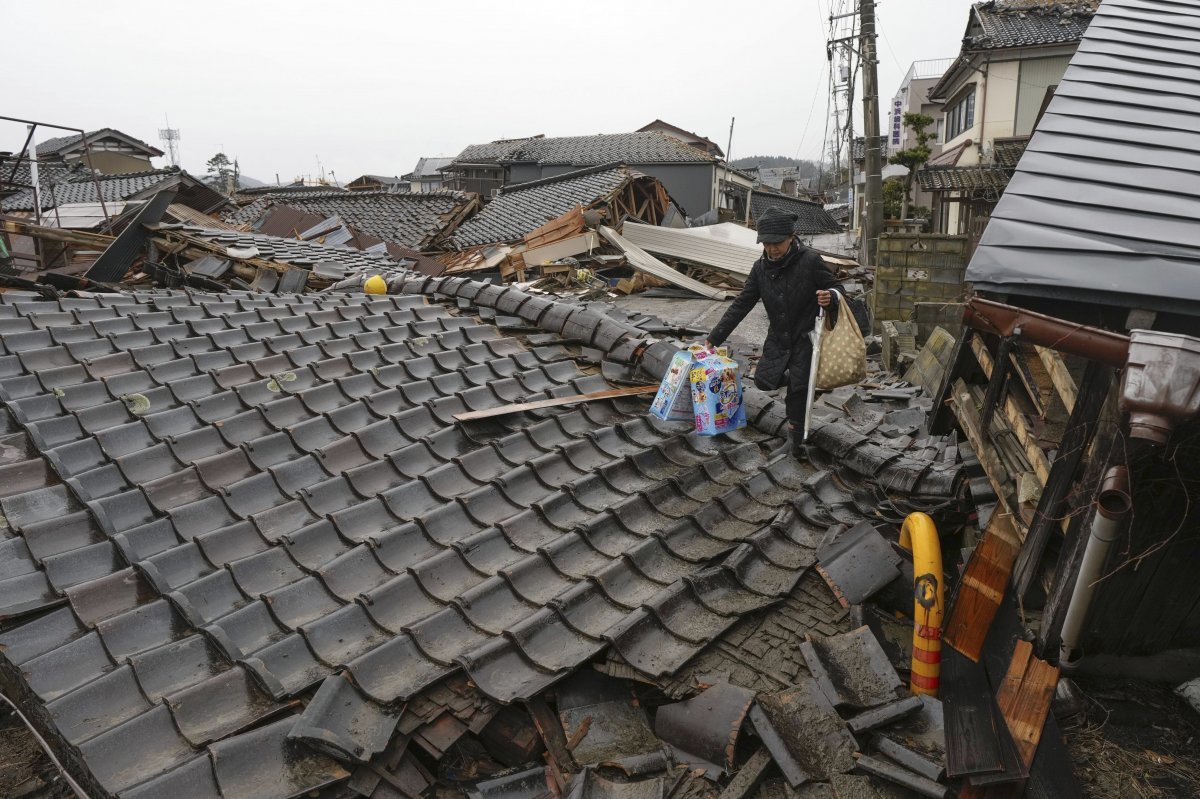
982 587
553 402
78 238
1081 426
1016 419
1064 384
963 405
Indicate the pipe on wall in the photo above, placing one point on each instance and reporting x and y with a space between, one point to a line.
1046 331
1113 504
919 536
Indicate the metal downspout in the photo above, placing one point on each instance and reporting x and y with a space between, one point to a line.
1113 504
919 536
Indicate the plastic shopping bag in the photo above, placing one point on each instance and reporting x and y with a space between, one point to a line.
716 394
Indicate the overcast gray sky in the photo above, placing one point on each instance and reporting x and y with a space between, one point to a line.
372 86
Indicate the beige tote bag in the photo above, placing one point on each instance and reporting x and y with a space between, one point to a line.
843 356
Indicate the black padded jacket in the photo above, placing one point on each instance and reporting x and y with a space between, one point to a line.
788 290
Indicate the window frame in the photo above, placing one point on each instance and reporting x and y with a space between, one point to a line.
960 115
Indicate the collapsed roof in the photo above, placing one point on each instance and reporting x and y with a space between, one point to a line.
415 220
220 504
63 186
522 208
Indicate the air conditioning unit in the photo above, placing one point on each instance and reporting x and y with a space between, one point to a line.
494 193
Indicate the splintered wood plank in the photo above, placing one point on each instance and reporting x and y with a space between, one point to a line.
1010 686
971 737
1097 378
1023 697
1064 384
982 588
963 405
1025 710
1021 368
553 402
1016 419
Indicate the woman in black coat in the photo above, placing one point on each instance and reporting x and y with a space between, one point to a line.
792 282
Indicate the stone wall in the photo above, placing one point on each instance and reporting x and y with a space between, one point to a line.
917 267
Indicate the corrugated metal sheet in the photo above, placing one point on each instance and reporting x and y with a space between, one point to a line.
1103 206
645 262
83 216
728 247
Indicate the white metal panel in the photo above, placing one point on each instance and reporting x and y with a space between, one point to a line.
727 247
645 262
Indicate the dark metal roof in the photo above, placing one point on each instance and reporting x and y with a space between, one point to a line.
219 504
813 218
1104 201
527 206
981 178
409 219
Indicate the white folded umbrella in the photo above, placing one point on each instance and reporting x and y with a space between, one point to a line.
815 336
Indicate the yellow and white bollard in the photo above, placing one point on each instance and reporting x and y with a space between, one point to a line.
919 536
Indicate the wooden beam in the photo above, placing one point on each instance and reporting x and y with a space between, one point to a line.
963 405
982 588
1064 384
1021 368
1016 419
78 238
1097 378
1024 698
553 402
997 381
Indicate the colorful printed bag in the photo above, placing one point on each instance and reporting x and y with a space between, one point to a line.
717 394
673 402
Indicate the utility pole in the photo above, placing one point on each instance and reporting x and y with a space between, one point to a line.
874 162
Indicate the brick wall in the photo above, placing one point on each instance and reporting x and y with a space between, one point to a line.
917 267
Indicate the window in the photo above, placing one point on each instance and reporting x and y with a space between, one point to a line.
960 117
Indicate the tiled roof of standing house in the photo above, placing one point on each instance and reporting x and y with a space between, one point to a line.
1007 152
527 206
963 178
409 219
1025 23
491 152
219 504
813 218
648 147
59 144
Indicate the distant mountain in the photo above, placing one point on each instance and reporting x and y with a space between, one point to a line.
247 182
770 161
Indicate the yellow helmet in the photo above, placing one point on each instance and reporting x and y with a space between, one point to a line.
375 285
